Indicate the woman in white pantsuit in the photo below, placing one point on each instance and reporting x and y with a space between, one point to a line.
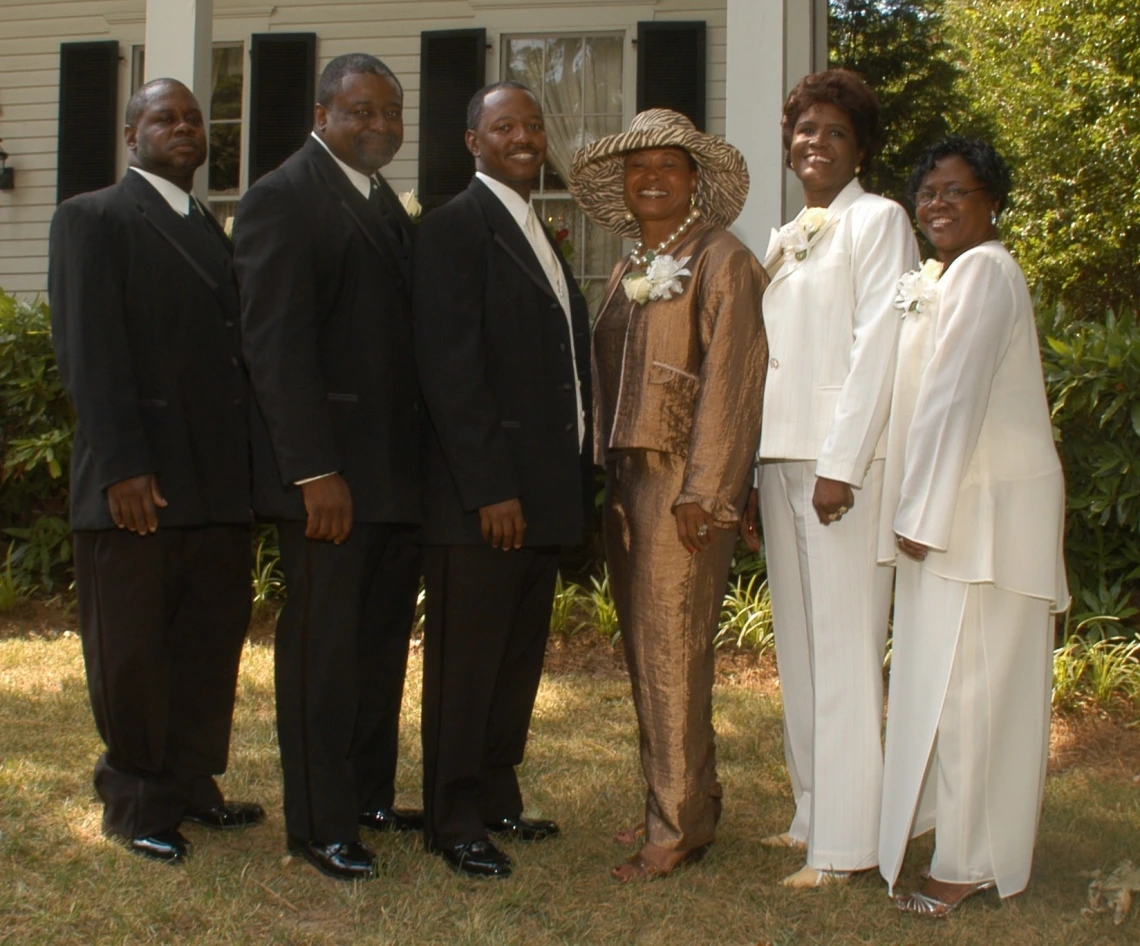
974 499
832 330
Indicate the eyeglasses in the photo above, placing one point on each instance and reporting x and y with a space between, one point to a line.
951 195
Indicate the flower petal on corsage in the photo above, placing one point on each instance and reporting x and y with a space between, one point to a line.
636 287
918 289
412 207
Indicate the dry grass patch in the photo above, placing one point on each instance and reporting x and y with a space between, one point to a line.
62 883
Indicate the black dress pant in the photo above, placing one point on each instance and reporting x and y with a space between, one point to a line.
162 618
487 621
341 654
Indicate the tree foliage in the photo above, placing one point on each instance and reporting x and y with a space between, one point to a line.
1060 82
898 46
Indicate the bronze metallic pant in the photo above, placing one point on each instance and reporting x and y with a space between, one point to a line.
668 605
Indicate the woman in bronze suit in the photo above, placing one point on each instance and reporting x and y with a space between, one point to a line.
678 359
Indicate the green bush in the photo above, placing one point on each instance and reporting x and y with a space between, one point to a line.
1092 372
36 425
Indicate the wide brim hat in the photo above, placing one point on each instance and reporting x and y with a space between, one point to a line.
597 172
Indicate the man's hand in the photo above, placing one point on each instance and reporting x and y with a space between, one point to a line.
502 524
328 502
914 550
748 520
132 503
832 499
694 526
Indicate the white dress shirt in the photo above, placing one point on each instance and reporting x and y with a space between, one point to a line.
174 195
362 182
526 217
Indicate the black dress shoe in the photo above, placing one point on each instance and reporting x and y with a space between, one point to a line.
344 860
478 858
392 819
168 846
523 829
227 815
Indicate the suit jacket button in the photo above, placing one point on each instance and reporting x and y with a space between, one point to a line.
773 363
555 305
237 402
568 428
234 361
567 386
562 346
229 323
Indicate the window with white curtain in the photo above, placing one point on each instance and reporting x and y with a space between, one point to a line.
578 81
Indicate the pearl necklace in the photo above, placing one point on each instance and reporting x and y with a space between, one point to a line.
640 257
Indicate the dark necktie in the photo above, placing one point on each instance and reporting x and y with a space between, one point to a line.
380 204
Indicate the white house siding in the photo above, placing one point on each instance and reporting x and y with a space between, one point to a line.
29 73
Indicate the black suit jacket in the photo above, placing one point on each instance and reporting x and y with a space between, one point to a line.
327 334
146 334
493 352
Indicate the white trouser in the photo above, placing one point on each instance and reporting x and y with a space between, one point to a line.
967 728
830 602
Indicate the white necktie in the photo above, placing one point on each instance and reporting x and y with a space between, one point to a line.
545 253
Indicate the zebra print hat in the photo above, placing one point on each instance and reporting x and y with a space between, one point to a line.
597 172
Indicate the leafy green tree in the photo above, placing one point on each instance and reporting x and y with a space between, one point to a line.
1060 82
898 46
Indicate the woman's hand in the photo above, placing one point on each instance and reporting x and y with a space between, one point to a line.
748 520
832 499
910 549
694 527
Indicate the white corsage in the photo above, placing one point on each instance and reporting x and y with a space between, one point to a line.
797 237
661 280
411 206
918 289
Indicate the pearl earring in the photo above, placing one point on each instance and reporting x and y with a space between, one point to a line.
858 169
629 216
993 218
693 199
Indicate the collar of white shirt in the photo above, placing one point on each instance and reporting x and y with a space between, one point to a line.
174 195
362 182
509 197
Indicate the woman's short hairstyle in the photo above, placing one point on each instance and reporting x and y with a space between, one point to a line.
847 92
988 166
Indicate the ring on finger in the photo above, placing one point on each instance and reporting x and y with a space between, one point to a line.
703 529
833 517
843 510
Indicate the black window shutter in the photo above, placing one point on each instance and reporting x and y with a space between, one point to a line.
453 67
671 67
88 123
282 92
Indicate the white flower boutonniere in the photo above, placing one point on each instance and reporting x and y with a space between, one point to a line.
797 237
228 227
661 280
411 205
918 289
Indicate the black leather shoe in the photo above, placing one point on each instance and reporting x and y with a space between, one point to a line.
227 815
168 846
392 819
523 829
344 860
478 858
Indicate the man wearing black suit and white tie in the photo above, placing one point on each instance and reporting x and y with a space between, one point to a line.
502 351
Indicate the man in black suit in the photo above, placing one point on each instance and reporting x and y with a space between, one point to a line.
323 252
503 355
145 327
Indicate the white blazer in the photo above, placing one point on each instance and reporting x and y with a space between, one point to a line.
972 472
832 330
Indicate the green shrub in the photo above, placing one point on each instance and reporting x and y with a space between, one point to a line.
36 425
1092 372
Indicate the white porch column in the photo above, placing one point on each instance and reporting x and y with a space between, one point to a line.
179 37
772 44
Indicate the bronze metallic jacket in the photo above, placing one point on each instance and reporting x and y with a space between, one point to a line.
692 372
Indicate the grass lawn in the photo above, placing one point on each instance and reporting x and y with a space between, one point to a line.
62 883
